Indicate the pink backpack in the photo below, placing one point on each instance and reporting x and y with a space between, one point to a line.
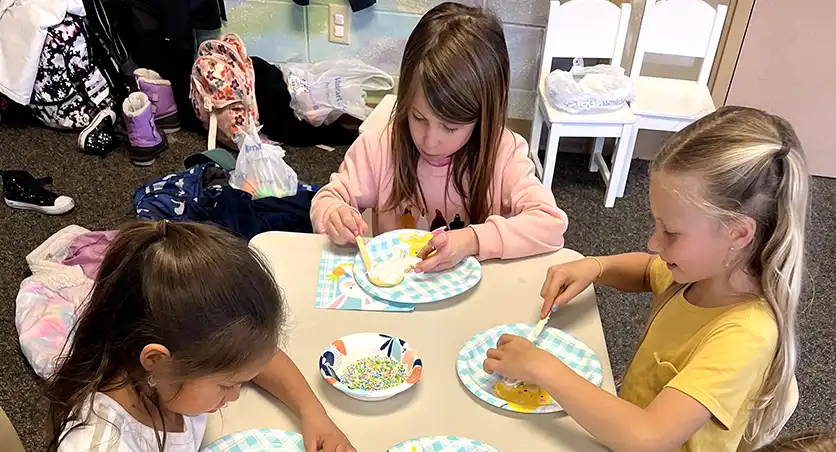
223 89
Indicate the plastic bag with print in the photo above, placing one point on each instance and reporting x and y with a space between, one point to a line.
260 169
322 92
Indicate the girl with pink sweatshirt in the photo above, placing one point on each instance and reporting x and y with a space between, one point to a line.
446 158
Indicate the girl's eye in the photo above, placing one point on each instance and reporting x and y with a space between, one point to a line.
418 119
226 388
449 130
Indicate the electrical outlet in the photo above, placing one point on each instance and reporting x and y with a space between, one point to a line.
339 24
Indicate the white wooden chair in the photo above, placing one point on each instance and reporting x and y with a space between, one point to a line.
583 29
687 28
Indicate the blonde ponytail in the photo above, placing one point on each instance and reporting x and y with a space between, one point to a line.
782 261
752 165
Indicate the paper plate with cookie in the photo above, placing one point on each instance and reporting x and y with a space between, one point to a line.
394 254
522 397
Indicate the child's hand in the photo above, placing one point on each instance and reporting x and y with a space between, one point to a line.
515 357
344 224
450 248
566 281
320 433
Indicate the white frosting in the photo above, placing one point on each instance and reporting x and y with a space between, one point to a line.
393 271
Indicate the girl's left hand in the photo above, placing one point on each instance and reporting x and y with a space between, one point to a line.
450 249
517 358
320 433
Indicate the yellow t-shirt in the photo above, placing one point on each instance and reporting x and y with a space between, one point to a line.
717 356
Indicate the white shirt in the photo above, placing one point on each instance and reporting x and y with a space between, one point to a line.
25 24
112 429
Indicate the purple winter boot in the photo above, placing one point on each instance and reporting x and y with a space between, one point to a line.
146 142
161 95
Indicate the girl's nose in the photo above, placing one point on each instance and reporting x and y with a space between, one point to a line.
430 139
653 243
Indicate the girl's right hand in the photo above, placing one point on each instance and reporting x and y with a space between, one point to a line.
566 281
344 224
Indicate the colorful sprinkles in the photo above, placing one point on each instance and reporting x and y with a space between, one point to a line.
374 374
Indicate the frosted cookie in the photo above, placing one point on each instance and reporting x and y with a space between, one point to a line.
392 272
522 396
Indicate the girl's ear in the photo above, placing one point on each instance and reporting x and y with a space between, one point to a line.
742 232
152 354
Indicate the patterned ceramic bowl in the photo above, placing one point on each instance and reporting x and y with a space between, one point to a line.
370 366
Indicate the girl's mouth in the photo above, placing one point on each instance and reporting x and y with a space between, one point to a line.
435 160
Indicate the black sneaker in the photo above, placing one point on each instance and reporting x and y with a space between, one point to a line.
22 191
98 138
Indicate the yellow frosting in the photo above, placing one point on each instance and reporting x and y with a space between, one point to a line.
523 397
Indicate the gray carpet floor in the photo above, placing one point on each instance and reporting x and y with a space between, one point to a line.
103 188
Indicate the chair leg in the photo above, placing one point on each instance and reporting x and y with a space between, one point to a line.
631 147
536 129
599 148
620 165
534 146
551 155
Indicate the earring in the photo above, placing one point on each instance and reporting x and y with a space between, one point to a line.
152 382
731 250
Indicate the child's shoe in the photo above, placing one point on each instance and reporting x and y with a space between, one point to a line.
22 191
161 95
146 141
98 137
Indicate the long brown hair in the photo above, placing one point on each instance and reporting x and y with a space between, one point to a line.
750 164
811 441
457 55
196 289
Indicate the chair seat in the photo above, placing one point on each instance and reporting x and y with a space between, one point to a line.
555 116
671 98
379 117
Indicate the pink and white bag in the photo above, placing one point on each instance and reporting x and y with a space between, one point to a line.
223 89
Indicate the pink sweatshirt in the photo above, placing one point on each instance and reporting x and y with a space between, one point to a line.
525 220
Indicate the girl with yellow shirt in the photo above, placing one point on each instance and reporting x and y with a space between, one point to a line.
729 195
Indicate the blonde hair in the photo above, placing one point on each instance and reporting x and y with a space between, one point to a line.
458 57
750 164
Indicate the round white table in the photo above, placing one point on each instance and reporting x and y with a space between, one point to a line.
439 404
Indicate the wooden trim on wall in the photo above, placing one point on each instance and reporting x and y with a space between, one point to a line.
730 43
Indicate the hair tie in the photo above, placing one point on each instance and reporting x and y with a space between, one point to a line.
783 152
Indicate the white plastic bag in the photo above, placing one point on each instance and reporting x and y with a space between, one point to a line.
322 92
589 89
260 169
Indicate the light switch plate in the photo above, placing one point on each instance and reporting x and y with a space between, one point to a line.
333 11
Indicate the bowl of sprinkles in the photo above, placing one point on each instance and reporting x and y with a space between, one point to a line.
370 366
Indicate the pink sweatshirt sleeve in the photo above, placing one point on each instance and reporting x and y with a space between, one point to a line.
530 222
356 184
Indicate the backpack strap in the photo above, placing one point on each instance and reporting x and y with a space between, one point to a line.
106 48
213 131
103 27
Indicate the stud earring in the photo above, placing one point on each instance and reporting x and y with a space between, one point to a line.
728 263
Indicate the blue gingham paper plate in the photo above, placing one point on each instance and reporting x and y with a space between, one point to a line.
262 440
442 444
574 353
415 288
